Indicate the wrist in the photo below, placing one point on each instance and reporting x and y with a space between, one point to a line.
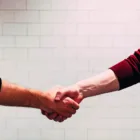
86 89
80 89
42 100
35 98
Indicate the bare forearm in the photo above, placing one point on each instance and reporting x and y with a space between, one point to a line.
102 83
14 95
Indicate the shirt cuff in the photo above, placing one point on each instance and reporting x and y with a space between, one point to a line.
0 84
124 73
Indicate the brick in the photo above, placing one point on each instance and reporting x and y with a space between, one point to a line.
52 41
1 28
5 112
38 4
58 29
6 16
40 54
64 5
64 16
15 54
77 65
22 123
77 41
29 134
14 29
100 41
34 29
110 134
96 29
8 134
53 16
46 29
5 65
83 119
27 41
13 5
103 5
125 41
136 134
26 16
76 134
65 29
7 41
52 134
28 113
67 53
117 16
2 123
88 5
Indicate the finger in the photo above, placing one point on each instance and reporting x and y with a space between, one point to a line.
70 92
58 118
59 95
73 104
71 110
53 116
48 115
43 112
65 114
64 118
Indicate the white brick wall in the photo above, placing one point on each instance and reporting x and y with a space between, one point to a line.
44 43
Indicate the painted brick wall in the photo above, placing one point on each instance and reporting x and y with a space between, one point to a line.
44 43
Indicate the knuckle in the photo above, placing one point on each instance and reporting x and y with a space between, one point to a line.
58 93
70 116
74 111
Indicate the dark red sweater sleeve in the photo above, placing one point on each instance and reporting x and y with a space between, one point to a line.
0 83
128 70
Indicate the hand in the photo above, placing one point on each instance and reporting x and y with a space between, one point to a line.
66 107
53 116
72 92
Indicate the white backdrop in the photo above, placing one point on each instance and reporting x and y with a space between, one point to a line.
44 43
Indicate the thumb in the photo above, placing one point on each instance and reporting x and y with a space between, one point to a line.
67 93
73 104
59 95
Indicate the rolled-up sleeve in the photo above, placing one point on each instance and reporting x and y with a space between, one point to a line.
128 70
0 84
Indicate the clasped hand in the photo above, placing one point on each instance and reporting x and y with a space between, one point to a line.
64 103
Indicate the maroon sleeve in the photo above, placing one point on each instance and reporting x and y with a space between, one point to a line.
0 83
128 70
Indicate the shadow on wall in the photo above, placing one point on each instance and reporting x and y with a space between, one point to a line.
13 4
25 4
17 10
8 8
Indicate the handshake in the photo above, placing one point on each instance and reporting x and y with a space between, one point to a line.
62 102
58 103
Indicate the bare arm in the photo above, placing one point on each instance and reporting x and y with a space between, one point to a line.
15 95
102 83
122 75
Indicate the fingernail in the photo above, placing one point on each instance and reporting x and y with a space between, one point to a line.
57 98
43 112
